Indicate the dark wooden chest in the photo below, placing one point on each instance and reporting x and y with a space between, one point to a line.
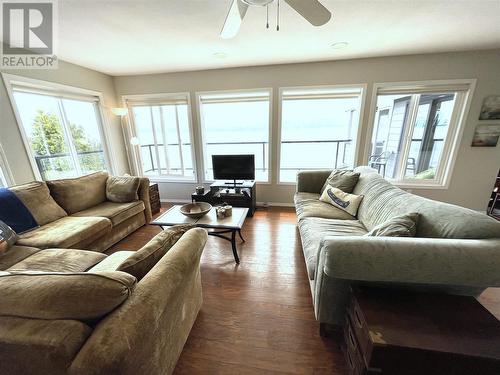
399 333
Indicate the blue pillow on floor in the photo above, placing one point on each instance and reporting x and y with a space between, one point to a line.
14 213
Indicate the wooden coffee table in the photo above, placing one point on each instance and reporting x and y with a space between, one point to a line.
216 227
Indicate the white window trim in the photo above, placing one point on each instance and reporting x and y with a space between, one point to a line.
12 80
130 130
455 131
199 95
358 146
6 171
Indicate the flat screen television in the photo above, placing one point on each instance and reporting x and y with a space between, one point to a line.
233 167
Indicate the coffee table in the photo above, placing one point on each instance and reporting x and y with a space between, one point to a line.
217 227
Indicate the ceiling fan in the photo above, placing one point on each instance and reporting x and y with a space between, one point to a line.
312 10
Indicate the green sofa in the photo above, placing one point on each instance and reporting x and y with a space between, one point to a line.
456 250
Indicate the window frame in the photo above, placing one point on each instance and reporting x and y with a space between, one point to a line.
5 171
200 94
59 91
358 144
454 136
130 131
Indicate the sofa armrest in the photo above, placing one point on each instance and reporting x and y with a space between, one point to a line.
436 261
144 196
158 315
311 181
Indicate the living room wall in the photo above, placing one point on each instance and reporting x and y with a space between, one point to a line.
474 170
67 74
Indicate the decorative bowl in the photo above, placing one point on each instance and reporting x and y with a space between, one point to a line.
195 210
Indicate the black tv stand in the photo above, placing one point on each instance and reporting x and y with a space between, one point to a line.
234 183
237 194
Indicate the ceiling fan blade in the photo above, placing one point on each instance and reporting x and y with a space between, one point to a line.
233 19
312 10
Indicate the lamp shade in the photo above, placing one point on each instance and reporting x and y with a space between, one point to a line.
119 111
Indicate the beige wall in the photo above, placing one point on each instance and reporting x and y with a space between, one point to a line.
474 170
67 74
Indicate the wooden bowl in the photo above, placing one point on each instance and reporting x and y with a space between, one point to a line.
195 210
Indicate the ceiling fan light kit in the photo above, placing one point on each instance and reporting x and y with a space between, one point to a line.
312 10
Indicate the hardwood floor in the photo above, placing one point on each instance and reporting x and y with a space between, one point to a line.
257 317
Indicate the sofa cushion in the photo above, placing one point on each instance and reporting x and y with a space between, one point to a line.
59 260
144 259
384 201
78 194
342 179
122 189
313 230
116 212
398 226
15 255
50 295
37 199
309 205
112 262
65 232
36 346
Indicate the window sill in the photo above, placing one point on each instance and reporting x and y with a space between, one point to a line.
171 180
429 186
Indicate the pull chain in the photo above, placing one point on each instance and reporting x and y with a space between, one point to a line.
278 17
267 16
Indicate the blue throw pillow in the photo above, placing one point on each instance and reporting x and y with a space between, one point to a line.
14 213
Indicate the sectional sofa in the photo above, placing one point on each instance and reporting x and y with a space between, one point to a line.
455 250
67 310
74 213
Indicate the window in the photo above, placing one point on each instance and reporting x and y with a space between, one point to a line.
415 128
162 126
63 133
236 124
319 128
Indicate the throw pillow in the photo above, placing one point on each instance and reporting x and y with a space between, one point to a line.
122 189
7 237
145 258
399 226
342 179
14 212
340 199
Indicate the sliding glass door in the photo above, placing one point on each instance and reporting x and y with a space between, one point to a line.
64 134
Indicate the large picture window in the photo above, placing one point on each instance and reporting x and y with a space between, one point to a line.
319 128
63 132
236 123
414 131
162 126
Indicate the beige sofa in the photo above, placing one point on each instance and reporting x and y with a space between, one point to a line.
66 311
455 250
74 213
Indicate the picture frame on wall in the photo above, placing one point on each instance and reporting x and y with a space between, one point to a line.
486 135
491 108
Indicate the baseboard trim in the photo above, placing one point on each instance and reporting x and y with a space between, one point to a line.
259 204
274 204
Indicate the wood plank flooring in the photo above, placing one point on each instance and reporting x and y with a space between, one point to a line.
257 317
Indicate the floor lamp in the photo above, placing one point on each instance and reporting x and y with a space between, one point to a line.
134 141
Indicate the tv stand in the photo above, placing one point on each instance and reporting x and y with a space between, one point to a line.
234 183
237 194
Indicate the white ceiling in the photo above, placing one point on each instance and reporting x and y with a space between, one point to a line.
122 37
